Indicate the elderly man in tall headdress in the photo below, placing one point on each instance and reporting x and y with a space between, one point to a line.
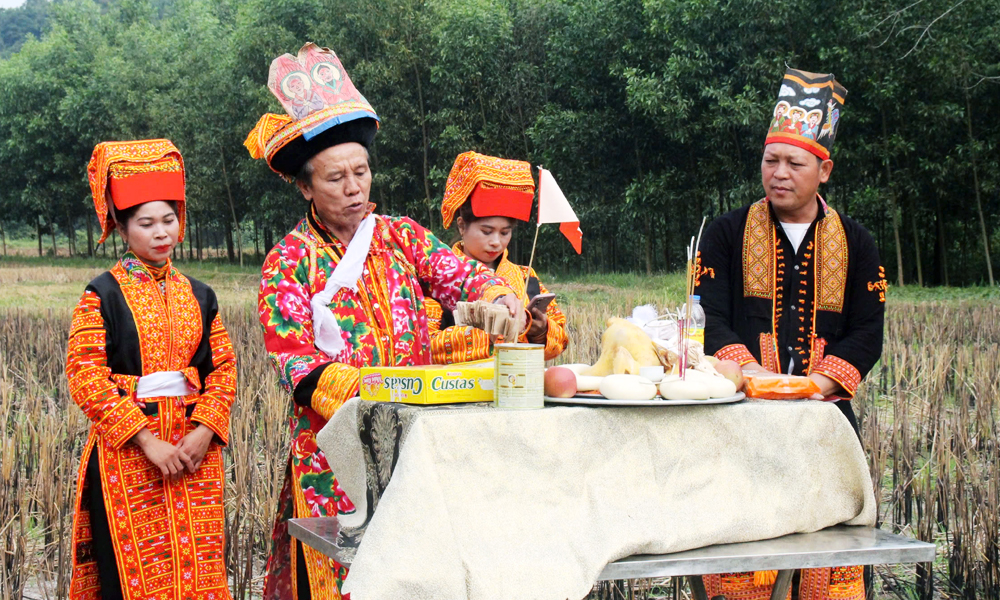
789 285
344 289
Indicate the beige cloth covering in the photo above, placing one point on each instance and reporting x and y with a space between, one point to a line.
487 504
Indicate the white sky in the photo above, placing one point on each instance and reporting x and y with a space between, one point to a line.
10 3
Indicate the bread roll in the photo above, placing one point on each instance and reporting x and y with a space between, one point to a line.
627 387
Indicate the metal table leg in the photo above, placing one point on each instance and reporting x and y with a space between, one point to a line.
782 584
697 587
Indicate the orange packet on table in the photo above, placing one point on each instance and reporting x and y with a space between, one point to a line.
780 387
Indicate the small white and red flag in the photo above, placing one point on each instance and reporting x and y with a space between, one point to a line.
553 207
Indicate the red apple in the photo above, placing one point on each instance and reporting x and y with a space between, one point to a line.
560 382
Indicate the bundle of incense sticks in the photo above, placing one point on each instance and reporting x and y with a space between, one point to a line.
685 320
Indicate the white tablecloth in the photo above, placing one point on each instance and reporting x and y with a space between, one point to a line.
486 504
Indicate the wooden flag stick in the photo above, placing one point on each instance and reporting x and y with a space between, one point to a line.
527 275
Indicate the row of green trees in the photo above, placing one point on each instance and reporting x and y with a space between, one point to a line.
650 113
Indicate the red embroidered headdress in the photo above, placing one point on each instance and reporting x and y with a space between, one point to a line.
135 172
807 112
496 187
323 109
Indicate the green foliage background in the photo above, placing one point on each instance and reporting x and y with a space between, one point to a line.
650 113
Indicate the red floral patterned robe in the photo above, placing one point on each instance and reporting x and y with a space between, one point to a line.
167 536
383 323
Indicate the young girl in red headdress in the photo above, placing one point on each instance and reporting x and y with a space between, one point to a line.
152 367
487 194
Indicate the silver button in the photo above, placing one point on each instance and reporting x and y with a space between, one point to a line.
790 349
794 307
796 268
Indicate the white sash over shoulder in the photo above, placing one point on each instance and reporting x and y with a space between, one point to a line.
329 337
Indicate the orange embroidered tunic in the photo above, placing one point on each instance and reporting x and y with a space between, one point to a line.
452 344
167 536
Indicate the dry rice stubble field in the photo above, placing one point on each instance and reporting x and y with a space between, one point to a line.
928 412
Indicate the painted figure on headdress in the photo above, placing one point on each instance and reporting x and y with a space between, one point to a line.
810 127
328 78
298 88
796 116
832 116
780 116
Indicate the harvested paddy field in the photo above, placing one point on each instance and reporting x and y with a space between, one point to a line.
929 414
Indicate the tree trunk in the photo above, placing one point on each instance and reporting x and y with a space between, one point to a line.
646 226
38 228
942 245
426 146
256 250
52 234
975 183
268 238
230 252
666 251
189 234
3 237
198 231
114 244
614 255
90 236
916 244
232 209
71 230
649 247
892 204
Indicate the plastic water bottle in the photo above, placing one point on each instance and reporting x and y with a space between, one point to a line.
696 328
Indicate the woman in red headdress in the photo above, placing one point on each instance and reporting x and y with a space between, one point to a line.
484 195
152 367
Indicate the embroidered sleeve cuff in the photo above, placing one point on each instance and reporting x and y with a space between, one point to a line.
842 372
459 344
336 385
736 352
434 314
121 422
207 412
127 384
555 340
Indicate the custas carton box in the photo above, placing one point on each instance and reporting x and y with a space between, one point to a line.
429 384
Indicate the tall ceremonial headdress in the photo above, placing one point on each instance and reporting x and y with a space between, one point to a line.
807 112
135 172
322 106
496 187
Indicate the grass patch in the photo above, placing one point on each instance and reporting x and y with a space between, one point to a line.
56 284
46 283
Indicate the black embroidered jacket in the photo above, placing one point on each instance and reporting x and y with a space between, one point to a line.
820 310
